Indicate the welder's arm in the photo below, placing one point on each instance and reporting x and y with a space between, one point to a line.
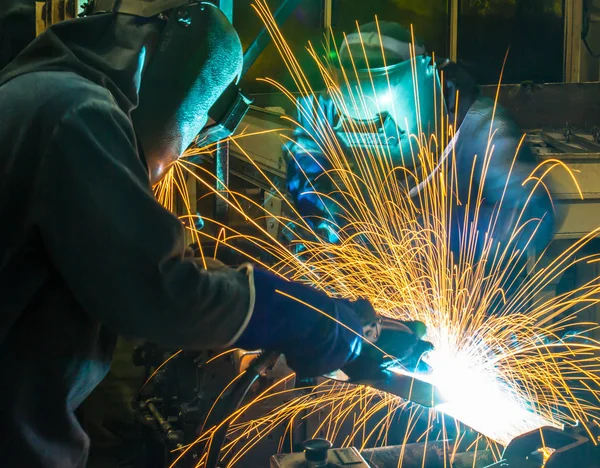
316 333
507 182
119 251
306 162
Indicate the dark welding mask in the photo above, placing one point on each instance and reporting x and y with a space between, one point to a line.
390 106
190 80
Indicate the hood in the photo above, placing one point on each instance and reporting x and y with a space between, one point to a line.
92 48
17 28
8 8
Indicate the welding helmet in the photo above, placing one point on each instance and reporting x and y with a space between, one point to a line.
390 91
198 57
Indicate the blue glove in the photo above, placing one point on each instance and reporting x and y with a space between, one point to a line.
312 343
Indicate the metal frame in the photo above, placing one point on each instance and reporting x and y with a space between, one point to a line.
572 48
327 18
222 151
453 7
221 161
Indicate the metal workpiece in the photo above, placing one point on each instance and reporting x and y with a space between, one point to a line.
577 203
406 386
549 447
569 142
419 455
430 455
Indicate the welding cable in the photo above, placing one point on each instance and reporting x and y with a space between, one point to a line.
230 401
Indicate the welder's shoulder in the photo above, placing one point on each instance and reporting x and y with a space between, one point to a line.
52 96
485 114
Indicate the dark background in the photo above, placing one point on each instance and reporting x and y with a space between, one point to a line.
531 29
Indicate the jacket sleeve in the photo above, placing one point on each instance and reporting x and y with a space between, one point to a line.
119 251
306 162
505 179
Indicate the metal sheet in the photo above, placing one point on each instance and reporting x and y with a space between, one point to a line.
587 176
573 43
431 455
578 219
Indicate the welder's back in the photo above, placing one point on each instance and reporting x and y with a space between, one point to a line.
42 327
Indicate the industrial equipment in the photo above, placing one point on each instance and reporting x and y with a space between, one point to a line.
549 447
319 454
561 122
191 392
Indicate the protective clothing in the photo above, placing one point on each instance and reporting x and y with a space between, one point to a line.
476 117
395 91
86 251
402 345
179 88
289 317
385 97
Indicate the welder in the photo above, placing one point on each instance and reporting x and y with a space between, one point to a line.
377 59
93 113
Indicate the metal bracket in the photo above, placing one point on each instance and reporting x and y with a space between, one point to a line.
573 27
222 152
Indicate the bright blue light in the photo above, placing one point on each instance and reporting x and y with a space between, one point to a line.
199 223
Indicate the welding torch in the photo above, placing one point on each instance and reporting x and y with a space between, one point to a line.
391 358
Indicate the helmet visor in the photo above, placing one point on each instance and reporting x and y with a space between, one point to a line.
409 93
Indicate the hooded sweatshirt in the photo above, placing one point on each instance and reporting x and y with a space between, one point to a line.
17 28
86 251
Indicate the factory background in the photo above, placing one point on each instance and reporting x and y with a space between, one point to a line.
550 86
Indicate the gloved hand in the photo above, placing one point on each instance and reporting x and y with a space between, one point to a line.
312 343
402 345
406 347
